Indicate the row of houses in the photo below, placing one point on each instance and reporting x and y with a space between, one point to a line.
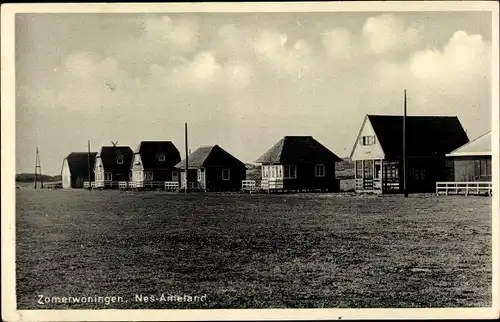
437 149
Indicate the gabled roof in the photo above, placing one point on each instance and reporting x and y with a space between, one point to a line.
425 135
210 156
479 146
109 154
78 164
149 151
296 150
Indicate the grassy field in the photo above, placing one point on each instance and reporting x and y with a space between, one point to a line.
253 251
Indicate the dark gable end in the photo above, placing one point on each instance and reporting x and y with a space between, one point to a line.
427 136
79 166
110 154
151 151
298 150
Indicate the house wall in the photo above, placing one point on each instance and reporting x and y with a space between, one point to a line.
98 170
123 175
306 179
66 175
163 175
213 178
471 168
364 152
422 174
192 176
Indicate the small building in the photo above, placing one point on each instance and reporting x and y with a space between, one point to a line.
378 152
471 162
212 168
299 163
154 162
112 165
75 169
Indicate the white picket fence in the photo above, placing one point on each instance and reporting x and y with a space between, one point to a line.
272 184
464 188
171 186
248 185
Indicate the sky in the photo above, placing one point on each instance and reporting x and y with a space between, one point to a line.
240 80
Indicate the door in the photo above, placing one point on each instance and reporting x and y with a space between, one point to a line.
175 176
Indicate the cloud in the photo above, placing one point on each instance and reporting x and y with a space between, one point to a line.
273 48
337 42
238 81
386 33
238 75
463 59
181 35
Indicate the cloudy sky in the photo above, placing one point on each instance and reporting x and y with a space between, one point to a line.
240 80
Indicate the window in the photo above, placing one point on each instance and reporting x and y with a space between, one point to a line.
273 171
359 168
290 171
265 171
200 171
119 159
148 176
419 174
279 172
485 168
161 157
320 170
368 169
225 174
368 140
108 176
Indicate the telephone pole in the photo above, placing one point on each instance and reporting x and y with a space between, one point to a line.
187 154
405 170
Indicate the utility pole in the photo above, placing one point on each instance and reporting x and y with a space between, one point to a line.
405 170
90 180
187 154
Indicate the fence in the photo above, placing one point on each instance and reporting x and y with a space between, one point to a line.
248 185
86 184
171 186
272 184
464 188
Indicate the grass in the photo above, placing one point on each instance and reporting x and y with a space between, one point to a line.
254 251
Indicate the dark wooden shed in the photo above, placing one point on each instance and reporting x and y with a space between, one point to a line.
471 162
112 166
212 168
75 169
154 162
299 163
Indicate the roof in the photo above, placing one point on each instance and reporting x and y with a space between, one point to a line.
149 150
298 149
425 135
78 164
108 155
210 156
479 146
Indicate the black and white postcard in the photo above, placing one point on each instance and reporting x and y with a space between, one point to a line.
250 161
